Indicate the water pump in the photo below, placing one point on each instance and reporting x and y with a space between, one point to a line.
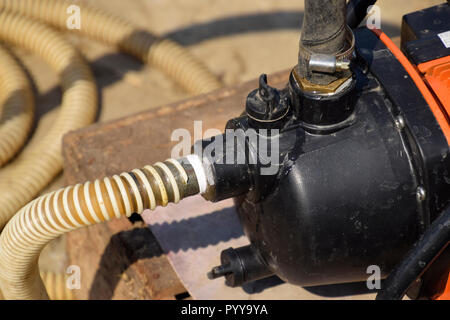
362 158
347 167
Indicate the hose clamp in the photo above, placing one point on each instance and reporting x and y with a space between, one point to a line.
331 63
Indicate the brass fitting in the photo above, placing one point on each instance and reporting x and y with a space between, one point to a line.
332 87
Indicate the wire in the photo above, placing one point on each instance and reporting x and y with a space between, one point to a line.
425 251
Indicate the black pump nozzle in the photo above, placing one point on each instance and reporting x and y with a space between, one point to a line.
240 266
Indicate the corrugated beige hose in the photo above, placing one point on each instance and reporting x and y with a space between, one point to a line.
41 161
16 106
164 54
73 207
79 101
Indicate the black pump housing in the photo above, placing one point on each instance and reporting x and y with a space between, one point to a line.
348 198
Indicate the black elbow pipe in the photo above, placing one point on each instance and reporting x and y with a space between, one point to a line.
357 11
430 246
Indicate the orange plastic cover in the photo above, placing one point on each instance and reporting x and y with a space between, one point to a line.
437 76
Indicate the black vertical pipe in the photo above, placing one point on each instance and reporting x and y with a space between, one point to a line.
323 31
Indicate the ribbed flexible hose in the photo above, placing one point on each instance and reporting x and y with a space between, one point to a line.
16 106
41 161
73 207
169 57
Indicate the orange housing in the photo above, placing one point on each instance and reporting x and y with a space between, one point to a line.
437 75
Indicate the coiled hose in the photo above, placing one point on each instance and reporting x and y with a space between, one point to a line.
164 54
73 207
41 161
79 101
16 106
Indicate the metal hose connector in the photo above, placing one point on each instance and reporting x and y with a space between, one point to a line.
73 207
41 161
16 106
166 55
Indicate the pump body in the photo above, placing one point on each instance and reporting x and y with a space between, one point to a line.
361 175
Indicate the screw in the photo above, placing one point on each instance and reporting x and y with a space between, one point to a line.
342 65
400 122
421 194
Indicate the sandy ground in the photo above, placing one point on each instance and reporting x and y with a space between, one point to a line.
128 87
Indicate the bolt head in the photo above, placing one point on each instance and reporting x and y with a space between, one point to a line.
421 194
400 123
